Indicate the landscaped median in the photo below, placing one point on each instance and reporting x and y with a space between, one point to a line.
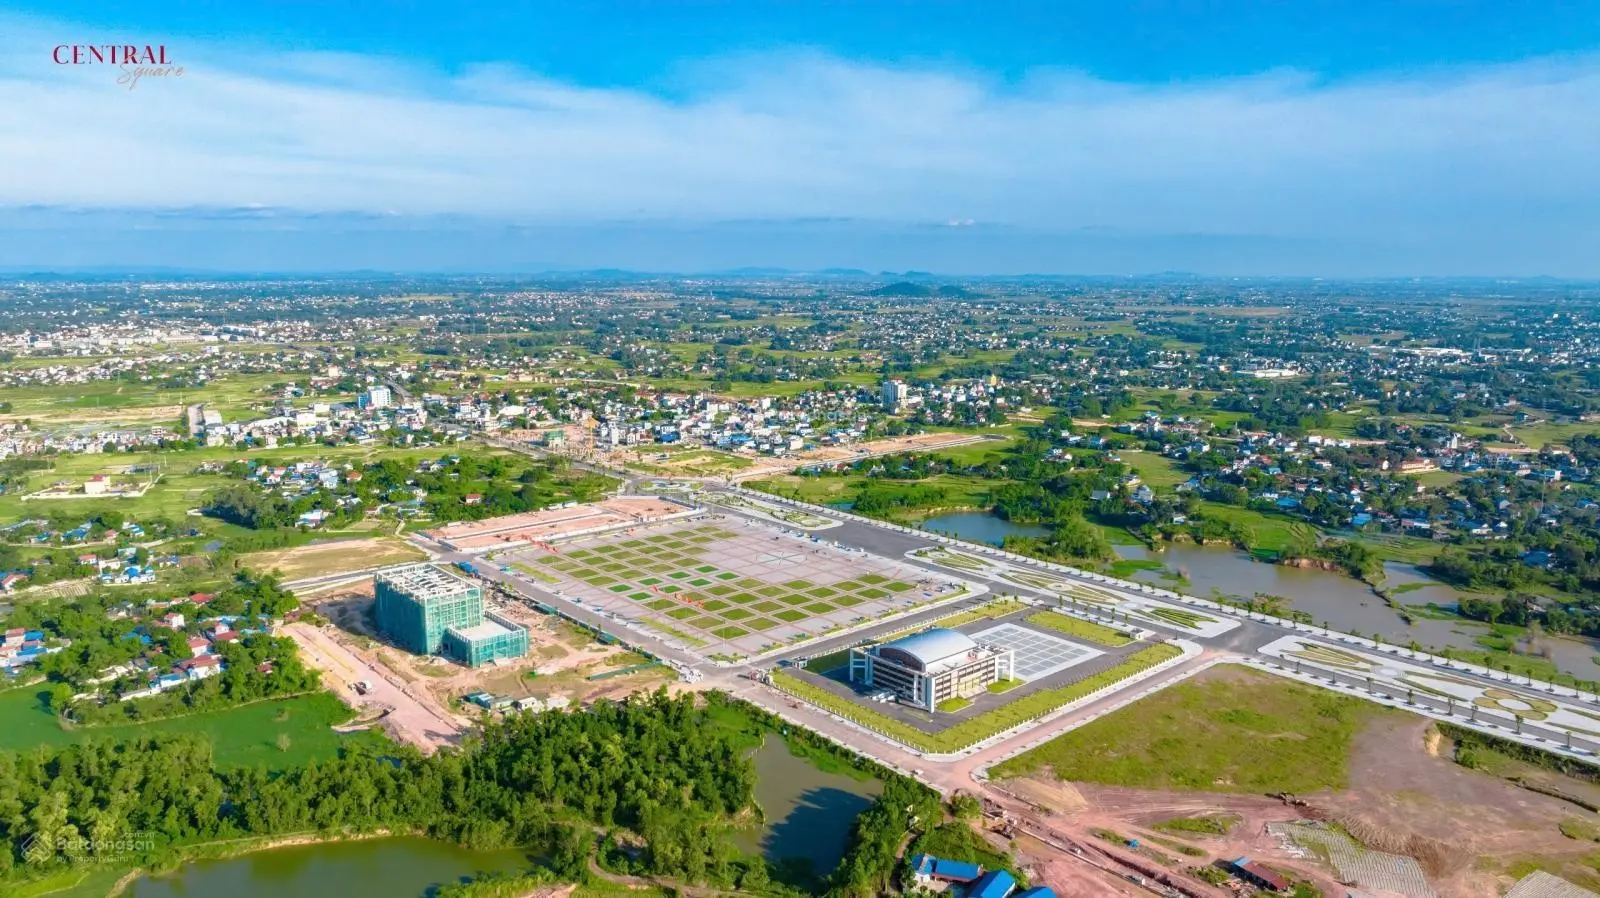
1082 629
976 729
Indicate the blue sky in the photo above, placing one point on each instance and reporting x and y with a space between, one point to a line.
1320 138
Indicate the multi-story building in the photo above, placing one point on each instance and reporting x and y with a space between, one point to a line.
926 668
894 394
377 397
429 611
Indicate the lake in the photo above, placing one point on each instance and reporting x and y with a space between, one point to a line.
981 527
808 811
399 867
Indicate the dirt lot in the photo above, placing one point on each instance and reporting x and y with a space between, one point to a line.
407 715
1405 785
560 659
332 557
1474 833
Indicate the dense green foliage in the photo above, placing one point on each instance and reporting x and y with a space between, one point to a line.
868 868
101 640
500 485
655 765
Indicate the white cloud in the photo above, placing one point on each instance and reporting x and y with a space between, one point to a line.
806 136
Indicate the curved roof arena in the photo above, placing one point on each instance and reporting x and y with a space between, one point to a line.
920 651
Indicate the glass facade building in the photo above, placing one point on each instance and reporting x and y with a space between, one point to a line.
427 610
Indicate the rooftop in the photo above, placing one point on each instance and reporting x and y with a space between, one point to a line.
485 629
929 650
423 579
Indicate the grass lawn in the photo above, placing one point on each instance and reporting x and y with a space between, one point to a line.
1228 730
1155 469
240 737
1262 531
1082 629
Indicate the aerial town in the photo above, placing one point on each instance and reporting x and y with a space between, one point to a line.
800 449
1062 587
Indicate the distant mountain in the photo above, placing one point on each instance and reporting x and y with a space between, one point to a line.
906 288
902 288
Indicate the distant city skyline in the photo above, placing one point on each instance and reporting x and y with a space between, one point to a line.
1337 140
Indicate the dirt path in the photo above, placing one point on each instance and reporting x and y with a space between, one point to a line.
413 717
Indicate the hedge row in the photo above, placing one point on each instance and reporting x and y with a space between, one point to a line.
975 729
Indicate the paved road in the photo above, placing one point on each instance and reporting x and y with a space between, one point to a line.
1242 643
1245 641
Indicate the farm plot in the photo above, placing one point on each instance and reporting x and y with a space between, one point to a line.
728 588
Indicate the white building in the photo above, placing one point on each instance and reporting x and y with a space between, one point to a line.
926 668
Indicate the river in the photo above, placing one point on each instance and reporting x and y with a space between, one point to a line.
808 811
1344 603
981 527
399 867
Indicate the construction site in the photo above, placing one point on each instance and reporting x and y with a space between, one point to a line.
724 586
572 519
1399 812
424 699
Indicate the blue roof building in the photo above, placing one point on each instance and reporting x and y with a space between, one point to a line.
1037 892
994 884
926 867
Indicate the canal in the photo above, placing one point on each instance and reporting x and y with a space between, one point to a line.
1342 602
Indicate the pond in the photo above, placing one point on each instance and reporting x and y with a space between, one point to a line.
399 867
808 811
981 527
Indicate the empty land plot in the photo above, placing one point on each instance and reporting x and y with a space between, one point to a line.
1227 730
332 557
730 587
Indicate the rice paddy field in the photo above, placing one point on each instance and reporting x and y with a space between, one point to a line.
729 588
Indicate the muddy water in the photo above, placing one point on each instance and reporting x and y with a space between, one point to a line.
1344 603
981 527
376 868
808 812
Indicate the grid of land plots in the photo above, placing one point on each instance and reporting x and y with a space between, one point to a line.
1035 655
731 588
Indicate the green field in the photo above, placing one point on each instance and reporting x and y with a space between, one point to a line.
1228 730
243 736
137 400
1159 471
1272 533
179 488
959 491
